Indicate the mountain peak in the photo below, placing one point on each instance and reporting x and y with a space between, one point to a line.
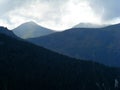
30 24
88 25
30 30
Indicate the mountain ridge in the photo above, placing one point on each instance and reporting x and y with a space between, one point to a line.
89 25
98 44
30 30
4 30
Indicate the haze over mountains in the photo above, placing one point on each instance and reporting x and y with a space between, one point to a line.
88 25
31 30
97 44
24 66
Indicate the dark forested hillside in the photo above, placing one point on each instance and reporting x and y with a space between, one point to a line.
24 66
4 30
98 44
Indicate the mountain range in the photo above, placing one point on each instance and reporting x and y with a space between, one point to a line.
31 30
24 66
95 44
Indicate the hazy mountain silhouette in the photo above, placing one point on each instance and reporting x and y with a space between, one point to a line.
24 66
88 25
98 44
30 30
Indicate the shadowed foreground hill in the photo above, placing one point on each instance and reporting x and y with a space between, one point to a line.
5 31
24 66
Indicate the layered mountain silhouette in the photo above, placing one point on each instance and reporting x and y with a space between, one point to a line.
97 44
24 66
31 30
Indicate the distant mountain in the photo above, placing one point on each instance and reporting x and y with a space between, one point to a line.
88 25
4 30
98 44
31 30
24 66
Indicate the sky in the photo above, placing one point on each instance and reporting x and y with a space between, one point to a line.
58 14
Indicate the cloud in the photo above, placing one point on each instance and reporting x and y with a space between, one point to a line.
40 11
79 12
109 10
58 14
8 5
